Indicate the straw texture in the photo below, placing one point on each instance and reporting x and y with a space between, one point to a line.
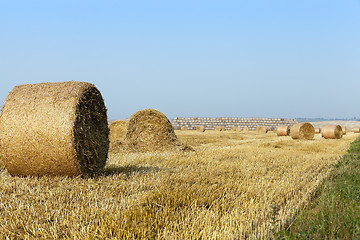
331 132
150 130
117 130
283 130
54 129
302 131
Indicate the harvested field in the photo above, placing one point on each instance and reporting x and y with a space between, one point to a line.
222 190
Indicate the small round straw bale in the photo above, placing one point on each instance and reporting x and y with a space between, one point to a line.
233 129
117 130
302 131
218 128
344 130
261 129
331 132
54 129
184 128
317 130
238 129
200 129
245 129
150 130
283 130
356 130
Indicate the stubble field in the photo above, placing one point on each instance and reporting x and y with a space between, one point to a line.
228 188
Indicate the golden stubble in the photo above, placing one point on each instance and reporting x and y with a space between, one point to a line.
222 190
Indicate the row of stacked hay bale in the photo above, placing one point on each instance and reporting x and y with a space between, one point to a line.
62 129
307 131
191 123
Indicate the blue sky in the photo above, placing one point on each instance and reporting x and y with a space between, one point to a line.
260 58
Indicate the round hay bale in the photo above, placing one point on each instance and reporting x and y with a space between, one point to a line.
344 130
233 129
218 128
356 130
331 132
184 128
302 131
317 130
283 130
54 129
261 129
245 129
238 129
150 130
117 130
200 129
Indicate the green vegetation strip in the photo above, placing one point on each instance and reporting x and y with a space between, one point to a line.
334 212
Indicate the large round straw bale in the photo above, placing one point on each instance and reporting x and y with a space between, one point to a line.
356 130
262 129
54 129
200 129
184 128
302 131
331 132
117 130
150 130
283 130
317 130
344 130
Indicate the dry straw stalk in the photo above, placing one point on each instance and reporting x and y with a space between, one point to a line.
283 130
331 132
302 131
54 129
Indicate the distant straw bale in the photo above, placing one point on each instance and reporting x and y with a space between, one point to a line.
238 129
344 130
54 129
283 130
302 131
233 129
317 130
117 130
331 132
219 128
184 128
262 129
245 129
200 129
150 130
356 130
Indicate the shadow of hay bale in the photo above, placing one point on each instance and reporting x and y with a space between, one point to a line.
127 170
